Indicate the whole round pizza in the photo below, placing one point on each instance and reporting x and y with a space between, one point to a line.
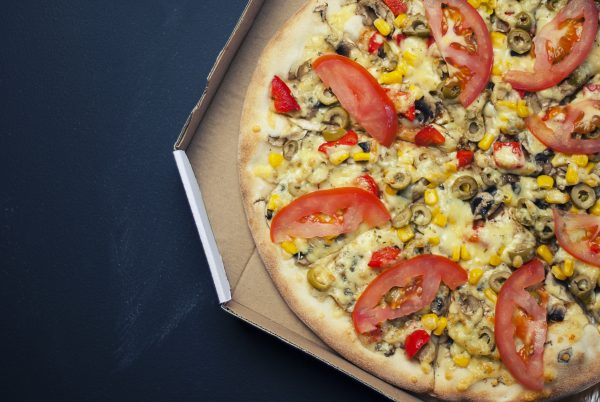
421 178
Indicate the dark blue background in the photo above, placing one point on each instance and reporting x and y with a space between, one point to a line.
104 289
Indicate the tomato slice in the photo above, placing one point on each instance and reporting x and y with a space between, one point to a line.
384 256
415 342
518 315
360 94
420 279
560 47
585 248
328 213
578 116
464 41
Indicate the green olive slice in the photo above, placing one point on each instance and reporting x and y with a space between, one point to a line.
583 196
523 21
451 88
333 134
337 116
497 280
519 41
325 96
475 130
417 26
320 278
465 187
397 179
402 218
421 215
582 286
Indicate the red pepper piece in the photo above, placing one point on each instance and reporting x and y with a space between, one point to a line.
400 38
366 182
282 95
429 136
464 158
397 6
415 342
410 114
375 42
383 257
350 138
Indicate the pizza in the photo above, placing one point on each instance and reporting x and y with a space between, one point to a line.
421 180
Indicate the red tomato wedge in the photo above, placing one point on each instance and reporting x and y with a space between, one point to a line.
518 315
328 213
454 23
360 94
420 277
383 257
560 47
579 117
585 247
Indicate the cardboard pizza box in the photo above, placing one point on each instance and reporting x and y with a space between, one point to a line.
206 156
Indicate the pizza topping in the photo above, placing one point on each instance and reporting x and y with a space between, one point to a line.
367 182
508 155
360 94
464 41
282 96
415 342
520 326
328 213
464 158
397 6
350 138
579 235
384 257
560 47
429 136
376 42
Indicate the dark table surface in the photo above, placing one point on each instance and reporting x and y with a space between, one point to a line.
105 293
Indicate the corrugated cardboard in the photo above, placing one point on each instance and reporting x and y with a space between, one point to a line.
206 155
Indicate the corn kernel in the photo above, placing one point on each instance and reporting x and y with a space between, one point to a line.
590 166
574 210
486 142
507 104
434 240
475 275
430 196
289 247
557 272
522 109
275 159
405 234
400 20
393 77
361 156
462 360
491 295
456 254
498 39
390 191
595 210
429 321
517 261
441 326
495 260
475 3
382 26
546 182
572 177
441 220
450 167
580 160
403 69
497 69
592 182
464 253
545 254
554 196
410 57
338 157
568 268
274 202
256 128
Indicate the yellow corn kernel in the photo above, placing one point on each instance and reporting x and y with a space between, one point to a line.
441 326
497 69
522 109
592 182
572 177
464 253
580 160
275 159
450 167
441 220
390 191
410 57
554 196
289 247
546 182
590 166
508 104
339 157
568 268
574 210
361 156
400 20
256 128
595 210
475 275
405 234
462 360
475 3
517 261
486 142
263 171
434 240
491 295
403 69
429 321
545 254
456 254
430 196
393 77
498 39
495 260
382 26
557 272
274 202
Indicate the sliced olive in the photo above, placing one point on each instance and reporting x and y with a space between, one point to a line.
519 41
583 196
421 215
544 228
333 134
554 5
464 188
523 21
564 356
417 26
397 179
451 88
338 116
320 278
582 286
557 312
289 149
490 177
325 95
526 212
497 280
475 130
402 218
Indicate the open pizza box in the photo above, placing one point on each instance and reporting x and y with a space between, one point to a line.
206 156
